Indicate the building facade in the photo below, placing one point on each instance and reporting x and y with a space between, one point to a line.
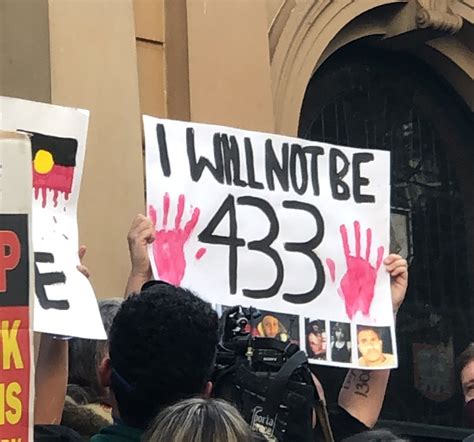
385 74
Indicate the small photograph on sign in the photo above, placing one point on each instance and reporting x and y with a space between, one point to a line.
374 346
315 335
340 342
278 325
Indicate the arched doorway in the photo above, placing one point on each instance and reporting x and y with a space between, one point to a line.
370 98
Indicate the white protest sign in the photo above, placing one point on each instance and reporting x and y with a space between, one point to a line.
295 228
65 301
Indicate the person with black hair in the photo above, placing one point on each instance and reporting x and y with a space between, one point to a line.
162 349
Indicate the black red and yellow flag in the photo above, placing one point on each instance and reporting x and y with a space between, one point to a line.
54 162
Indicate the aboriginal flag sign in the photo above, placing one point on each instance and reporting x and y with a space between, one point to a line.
58 141
54 162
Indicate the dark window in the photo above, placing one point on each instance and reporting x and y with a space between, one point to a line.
391 101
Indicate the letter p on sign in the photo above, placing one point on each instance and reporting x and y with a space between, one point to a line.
10 252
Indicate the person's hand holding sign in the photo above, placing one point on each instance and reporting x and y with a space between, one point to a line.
141 234
398 269
168 248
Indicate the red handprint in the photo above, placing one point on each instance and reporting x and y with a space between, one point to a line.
358 283
168 247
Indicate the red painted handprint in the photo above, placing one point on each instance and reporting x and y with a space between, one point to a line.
168 247
358 283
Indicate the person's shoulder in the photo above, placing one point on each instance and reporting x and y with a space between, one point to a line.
118 433
55 433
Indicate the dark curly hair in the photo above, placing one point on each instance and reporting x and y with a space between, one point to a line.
162 349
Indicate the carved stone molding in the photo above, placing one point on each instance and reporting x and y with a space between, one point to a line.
438 15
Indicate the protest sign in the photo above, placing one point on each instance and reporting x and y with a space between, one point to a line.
65 303
16 289
295 228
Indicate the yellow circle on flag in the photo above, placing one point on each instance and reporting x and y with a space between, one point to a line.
43 161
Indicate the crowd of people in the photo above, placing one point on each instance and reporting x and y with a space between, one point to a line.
151 380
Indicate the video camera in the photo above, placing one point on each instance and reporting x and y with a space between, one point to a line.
268 380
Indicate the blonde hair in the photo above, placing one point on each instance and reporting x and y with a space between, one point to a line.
199 420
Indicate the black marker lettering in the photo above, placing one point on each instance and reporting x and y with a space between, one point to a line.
207 236
314 152
297 156
44 279
359 181
273 167
250 165
196 168
163 150
230 151
264 246
340 190
307 249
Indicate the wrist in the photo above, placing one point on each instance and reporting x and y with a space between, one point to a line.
141 273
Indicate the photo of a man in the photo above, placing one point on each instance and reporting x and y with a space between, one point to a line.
371 347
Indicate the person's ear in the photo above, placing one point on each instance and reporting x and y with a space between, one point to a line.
207 390
105 372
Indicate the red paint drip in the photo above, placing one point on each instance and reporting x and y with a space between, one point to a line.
58 180
200 253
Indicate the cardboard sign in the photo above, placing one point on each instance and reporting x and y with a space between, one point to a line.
65 301
295 228
16 289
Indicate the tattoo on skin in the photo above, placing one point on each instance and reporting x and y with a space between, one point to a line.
349 379
362 387
362 379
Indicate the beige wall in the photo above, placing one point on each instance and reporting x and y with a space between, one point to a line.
229 66
149 32
24 49
94 66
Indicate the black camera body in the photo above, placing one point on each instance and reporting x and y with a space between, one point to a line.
268 380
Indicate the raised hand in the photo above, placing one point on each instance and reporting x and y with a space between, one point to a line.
168 247
358 283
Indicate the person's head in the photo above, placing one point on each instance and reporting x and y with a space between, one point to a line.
339 333
85 356
162 349
199 420
465 369
271 326
370 345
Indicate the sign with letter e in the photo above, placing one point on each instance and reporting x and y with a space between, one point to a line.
16 289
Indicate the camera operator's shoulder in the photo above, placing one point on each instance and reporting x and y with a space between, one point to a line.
343 424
